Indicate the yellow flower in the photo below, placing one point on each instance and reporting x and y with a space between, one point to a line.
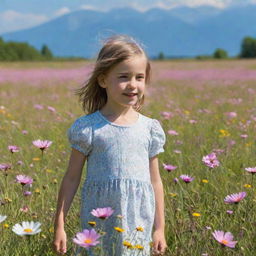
43 236
49 170
6 225
127 244
247 185
172 194
139 229
119 229
36 159
138 246
224 133
205 181
55 181
51 229
37 190
248 144
196 214
7 200
186 112
92 223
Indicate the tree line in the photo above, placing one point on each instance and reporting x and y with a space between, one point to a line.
248 50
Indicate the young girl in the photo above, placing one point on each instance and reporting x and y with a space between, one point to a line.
121 147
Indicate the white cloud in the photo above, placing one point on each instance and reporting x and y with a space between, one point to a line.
11 20
91 7
62 11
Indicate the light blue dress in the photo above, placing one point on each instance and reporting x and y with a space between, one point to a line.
118 176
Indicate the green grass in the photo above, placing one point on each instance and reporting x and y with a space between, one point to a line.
186 235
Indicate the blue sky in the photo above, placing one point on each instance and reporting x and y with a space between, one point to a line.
21 14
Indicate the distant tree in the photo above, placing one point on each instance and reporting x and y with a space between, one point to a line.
220 54
248 48
45 51
161 56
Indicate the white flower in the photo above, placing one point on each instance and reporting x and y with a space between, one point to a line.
2 218
27 228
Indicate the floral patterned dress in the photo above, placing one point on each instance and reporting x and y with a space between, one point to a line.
118 176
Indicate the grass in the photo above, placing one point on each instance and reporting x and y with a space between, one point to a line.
206 102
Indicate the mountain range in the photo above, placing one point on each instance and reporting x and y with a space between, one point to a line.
178 32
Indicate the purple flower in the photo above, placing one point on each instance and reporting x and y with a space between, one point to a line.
27 193
251 170
24 180
175 180
173 132
235 198
13 148
169 167
102 213
42 144
87 238
229 212
224 238
186 178
211 160
5 167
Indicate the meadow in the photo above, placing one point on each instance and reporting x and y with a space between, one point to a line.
205 107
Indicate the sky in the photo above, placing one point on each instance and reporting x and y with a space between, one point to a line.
20 14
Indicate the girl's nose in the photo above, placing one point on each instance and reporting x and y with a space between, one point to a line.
132 83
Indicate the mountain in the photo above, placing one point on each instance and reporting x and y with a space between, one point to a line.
181 31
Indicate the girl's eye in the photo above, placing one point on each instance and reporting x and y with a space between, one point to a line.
140 77
123 76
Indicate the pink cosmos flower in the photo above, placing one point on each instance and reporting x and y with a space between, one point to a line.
42 144
87 238
244 136
27 193
231 114
169 167
252 170
211 160
24 131
166 115
102 213
24 180
5 167
229 212
224 238
192 121
186 178
173 132
13 148
52 109
235 198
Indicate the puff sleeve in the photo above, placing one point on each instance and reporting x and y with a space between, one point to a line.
80 135
157 140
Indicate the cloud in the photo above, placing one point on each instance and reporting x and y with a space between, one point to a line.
91 7
61 11
11 20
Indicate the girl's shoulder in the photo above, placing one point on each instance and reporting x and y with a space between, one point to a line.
85 120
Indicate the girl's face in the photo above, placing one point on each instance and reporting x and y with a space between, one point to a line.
125 82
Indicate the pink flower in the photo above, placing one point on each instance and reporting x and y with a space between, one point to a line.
27 193
186 178
5 167
252 170
102 213
231 114
52 109
166 115
38 106
173 132
169 167
13 148
24 131
24 180
244 136
224 238
42 144
229 212
87 238
24 209
211 160
235 198
192 121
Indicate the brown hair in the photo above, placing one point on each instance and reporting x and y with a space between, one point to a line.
115 49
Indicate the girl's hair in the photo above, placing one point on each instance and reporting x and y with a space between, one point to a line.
115 49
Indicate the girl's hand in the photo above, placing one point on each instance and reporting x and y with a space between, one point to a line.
159 243
60 240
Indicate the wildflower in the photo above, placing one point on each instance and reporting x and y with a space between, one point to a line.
247 185
175 180
119 216
55 181
20 162
173 132
87 238
166 115
27 193
52 109
224 238
37 190
2 218
177 151
192 121
24 131
27 228
229 212
13 148
186 178
102 213
38 106
36 159
235 198
6 225
92 223
211 160
231 114
24 180
205 181
5 167
119 229
169 167
42 144
139 229
196 214
224 133
24 209
251 170
172 194
244 136
138 246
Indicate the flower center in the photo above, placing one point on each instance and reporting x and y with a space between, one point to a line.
87 241
224 242
28 230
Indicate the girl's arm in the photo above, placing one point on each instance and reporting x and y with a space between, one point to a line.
67 192
159 242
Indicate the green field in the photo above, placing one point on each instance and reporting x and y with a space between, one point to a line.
203 91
